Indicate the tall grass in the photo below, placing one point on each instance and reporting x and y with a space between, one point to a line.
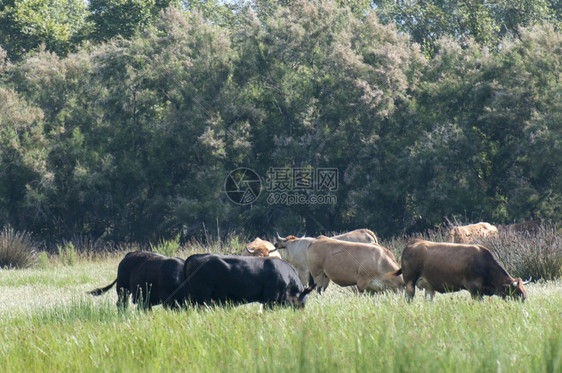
48 323
166 247
338 331
537 255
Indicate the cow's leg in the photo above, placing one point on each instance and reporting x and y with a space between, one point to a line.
322 281
122 298
410 290
325 281
372 284
142 297
473 288
303 275
429 293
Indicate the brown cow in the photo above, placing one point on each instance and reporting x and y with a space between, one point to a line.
449 267
259 247
368 266
528 227
470 233
296 248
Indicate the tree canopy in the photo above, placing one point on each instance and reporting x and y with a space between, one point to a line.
126 126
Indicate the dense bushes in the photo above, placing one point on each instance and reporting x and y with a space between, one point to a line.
132 139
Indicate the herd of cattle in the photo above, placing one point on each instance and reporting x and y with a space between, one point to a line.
350 259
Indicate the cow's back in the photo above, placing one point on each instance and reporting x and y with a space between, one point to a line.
237 279
346 262
358 235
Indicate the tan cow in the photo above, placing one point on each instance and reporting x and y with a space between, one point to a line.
448 267
358 235
370 267
296 248
259 247
470 233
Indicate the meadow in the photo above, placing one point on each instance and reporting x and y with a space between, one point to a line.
49 323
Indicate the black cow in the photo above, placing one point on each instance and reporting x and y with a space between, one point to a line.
219 279
151 279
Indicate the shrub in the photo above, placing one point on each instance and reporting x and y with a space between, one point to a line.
17 249
167 247
536 256
67 254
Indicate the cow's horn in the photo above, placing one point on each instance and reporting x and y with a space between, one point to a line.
271 251
526 282
303 236
250 250
280 238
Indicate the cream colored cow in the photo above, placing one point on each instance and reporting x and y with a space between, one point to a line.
259 247
470 233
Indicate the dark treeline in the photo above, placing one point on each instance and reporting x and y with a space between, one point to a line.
123 123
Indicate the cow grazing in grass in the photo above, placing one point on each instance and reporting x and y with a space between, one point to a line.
150 278
470 233
448 267
296 248
370 267
259 247
226 279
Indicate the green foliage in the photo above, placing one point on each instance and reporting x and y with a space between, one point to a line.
486 22
25 25
167 247
123 18
67 254
42 260
131 139
17 249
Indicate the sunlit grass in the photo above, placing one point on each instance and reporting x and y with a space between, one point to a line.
50 326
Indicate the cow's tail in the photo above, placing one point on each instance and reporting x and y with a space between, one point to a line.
100 291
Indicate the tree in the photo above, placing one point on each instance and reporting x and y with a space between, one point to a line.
486 22
27 24
123 17
23 153
319 85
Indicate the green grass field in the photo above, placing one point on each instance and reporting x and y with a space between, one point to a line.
48 323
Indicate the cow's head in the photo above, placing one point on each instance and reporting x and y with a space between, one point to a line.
516 289
259 247
298 301
283 241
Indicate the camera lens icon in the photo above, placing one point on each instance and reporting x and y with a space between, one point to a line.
242 186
